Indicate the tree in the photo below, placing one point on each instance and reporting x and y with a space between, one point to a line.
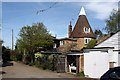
98 34
34 38
112 24
5 54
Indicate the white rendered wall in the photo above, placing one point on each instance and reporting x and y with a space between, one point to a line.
113 41
95 64
119 40
116 59
113 57
119 59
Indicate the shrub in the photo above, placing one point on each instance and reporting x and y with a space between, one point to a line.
31 64
5 54
13 58
45 65
81 74
19 57
39 66
91 43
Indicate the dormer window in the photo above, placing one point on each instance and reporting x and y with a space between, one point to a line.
86 29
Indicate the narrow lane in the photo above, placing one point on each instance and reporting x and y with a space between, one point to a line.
20 70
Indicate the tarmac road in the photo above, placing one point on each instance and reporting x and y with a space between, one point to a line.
20 70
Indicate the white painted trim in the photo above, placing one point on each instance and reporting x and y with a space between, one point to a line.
88 30
87 40
62 43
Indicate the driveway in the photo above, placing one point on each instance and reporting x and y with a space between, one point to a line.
20 70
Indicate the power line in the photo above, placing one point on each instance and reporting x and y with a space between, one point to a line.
47 8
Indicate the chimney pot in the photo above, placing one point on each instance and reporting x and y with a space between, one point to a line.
70 29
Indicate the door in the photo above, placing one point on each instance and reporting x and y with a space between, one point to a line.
61 63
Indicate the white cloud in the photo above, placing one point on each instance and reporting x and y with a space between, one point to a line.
62 36
53 33
102 10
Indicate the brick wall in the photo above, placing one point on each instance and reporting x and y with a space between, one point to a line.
68 42
80 43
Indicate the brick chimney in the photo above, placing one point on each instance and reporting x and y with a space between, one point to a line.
70 29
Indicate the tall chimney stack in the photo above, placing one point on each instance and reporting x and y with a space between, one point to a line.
70 29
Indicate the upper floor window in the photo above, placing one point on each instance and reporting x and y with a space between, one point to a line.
86 29
87 40
62 43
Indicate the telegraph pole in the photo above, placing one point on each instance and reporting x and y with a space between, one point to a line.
12 41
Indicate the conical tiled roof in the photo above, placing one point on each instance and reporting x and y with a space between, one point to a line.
78 31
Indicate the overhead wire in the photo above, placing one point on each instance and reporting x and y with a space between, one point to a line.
46 8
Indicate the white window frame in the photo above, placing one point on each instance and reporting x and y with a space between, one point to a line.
86 29
54 45
62 43
88 39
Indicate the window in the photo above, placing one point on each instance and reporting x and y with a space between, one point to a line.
54 45
87 40
62 43
86 29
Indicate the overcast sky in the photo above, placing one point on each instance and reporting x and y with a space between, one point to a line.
18 14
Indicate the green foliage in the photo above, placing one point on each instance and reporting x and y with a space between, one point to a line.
38 54
16 55
112 24
39 66
5 54
47 62
27 59
13 58
19 57
81 74
34 38
31 64
91 43
45 65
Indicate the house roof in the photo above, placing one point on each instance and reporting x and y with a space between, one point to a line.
52 37
75 53
105 38
54 51
104 49
71 39
78 31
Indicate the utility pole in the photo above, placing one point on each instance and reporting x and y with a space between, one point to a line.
12 41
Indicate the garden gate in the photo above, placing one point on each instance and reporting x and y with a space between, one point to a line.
61 63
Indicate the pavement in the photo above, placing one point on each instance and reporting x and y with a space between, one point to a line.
20 70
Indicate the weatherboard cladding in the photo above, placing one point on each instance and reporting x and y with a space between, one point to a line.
112 41
78 31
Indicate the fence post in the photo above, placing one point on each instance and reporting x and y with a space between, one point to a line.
77 64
